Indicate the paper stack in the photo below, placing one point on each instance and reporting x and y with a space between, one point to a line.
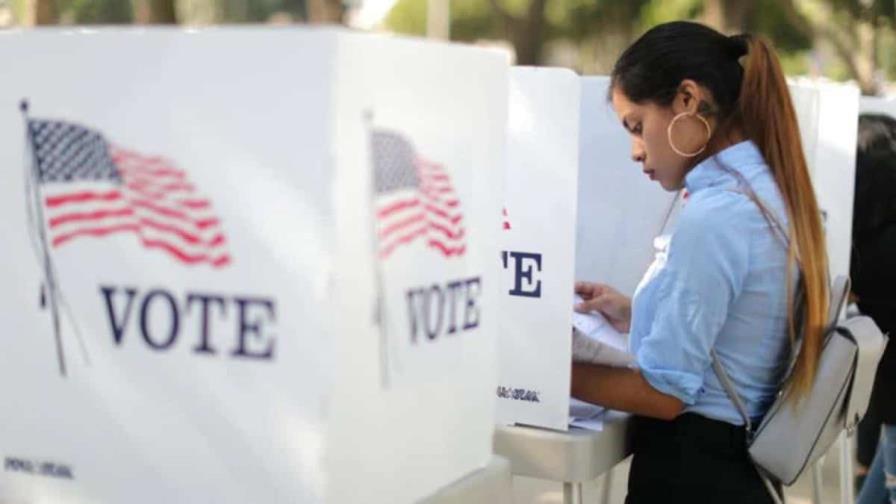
595 341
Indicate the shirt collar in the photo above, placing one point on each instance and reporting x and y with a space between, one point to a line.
743 158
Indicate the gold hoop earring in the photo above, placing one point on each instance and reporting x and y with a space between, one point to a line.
679 151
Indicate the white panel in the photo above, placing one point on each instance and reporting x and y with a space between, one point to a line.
620 211
539 247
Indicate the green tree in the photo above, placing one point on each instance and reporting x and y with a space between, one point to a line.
91 12
527 24
601 29
857 30
325 11
525 30
155 11
46 12
35 12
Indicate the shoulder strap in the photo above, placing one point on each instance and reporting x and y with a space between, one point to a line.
717 367
742 409
746 189
729 389
839 294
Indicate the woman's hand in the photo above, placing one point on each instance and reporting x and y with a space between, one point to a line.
609 302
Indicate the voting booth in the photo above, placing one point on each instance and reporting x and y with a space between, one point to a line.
621 210
631 218
538 236
877 105
247 265
828 117
577 208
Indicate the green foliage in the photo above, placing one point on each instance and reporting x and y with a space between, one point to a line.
795 63
884 8
887 53
408 17
471 20
654 13
19 9
597 29
771 21
476 19
91 12
588 20
591 21
258 11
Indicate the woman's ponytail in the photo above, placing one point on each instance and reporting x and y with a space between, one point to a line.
768 118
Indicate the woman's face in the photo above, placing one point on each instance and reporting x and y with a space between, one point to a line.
648 123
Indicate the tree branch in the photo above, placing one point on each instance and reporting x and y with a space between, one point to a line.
819 28
501 11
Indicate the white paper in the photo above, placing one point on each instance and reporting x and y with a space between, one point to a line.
592 424
586 415
581 410
596 341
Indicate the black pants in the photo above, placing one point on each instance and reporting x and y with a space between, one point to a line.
692 459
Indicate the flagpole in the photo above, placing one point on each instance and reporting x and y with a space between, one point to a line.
49 276
380 308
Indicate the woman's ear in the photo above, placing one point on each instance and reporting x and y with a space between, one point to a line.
688 97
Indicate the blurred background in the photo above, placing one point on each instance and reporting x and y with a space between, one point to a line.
842 40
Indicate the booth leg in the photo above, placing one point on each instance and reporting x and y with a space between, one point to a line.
608 487
816 481
572 493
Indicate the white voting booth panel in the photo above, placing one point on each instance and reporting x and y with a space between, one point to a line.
877 105
271 256
828 117
620 210
611 218
538 247
434 423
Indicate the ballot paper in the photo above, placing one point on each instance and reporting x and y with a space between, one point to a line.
586 415
596 341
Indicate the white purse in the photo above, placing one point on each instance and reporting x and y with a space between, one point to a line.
792 436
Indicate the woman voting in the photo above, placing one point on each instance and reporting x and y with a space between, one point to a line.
711 115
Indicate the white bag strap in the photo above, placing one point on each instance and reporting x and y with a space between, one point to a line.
742 409
841 289
728 385
839 295
724 379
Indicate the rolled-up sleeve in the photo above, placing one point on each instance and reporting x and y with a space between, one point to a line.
707 263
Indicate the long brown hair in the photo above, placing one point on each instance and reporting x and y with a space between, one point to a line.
752 96
769 119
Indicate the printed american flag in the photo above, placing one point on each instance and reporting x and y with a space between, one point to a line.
90 188
415 199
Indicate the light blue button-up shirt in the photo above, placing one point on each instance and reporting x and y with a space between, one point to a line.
718 282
